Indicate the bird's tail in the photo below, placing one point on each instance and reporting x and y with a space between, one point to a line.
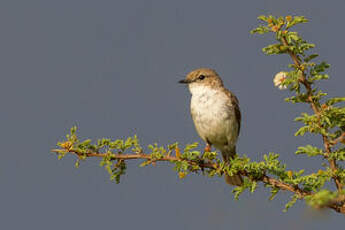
237 179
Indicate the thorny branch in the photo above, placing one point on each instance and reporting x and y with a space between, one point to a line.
334 204
316 108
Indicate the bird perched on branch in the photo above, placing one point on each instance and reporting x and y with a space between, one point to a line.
216 114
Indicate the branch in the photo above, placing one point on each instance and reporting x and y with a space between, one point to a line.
327 143
265 179
136 156
273 182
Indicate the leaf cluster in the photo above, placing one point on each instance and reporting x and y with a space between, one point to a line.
114 156
328 114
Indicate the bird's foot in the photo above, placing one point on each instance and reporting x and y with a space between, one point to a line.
207 148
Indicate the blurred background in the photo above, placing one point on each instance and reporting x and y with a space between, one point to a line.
111 68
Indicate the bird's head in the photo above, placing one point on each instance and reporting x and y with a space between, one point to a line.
202 77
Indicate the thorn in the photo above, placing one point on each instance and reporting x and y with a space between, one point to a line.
178 153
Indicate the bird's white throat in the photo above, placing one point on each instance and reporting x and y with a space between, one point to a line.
207 101
201 89
205 93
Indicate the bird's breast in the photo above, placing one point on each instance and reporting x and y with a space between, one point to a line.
213 116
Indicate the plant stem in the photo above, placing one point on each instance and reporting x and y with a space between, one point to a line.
316 108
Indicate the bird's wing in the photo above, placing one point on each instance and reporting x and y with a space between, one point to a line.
234 103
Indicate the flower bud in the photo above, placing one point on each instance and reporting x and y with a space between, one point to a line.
279 79
182 175
275 28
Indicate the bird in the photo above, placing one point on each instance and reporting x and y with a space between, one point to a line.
216 114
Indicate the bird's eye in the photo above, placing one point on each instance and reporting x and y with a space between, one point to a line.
201 77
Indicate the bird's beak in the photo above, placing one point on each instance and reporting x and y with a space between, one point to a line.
183 81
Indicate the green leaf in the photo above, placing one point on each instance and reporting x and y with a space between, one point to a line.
319 77
128 143
302 131
274 192
262 18
319 68
145 163
294 36
291 203
191 146
239 190
309 150
272 49
296 20
77 163
310 57
338 155
253 186
73 130
260 30
335 100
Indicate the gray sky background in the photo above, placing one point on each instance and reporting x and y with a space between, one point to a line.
111 67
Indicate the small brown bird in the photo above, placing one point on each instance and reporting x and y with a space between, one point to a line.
216 114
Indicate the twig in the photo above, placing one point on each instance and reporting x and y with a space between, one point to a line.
339 139
131 156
